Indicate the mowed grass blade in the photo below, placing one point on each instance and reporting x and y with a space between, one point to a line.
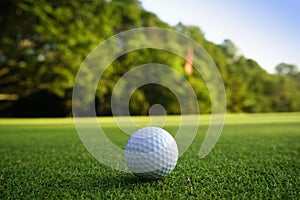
257 157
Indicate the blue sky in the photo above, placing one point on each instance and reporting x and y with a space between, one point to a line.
267 31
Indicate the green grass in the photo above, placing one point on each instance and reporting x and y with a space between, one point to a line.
257 157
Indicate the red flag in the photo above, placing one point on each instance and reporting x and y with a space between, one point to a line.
188 66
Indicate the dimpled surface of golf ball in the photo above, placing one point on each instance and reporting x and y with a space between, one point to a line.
151 153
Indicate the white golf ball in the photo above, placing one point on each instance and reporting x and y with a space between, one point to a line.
151 152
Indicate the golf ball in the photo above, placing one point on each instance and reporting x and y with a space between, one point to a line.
151 153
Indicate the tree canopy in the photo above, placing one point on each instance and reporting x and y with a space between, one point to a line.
43 44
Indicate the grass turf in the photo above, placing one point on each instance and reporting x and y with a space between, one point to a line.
257 157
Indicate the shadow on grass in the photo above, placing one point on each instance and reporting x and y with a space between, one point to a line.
124 181
99 183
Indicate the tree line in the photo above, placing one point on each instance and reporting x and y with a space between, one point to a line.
43 44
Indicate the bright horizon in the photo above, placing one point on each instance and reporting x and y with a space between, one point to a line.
266 31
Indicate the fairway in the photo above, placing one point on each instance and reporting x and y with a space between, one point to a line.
256 157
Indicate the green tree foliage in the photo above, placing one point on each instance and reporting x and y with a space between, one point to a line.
287 86
284 69
44 42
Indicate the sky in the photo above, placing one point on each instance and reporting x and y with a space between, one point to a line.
267 31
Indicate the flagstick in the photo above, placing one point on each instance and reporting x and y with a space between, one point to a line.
188 68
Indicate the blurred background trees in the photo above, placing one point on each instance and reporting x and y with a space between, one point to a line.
43 43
